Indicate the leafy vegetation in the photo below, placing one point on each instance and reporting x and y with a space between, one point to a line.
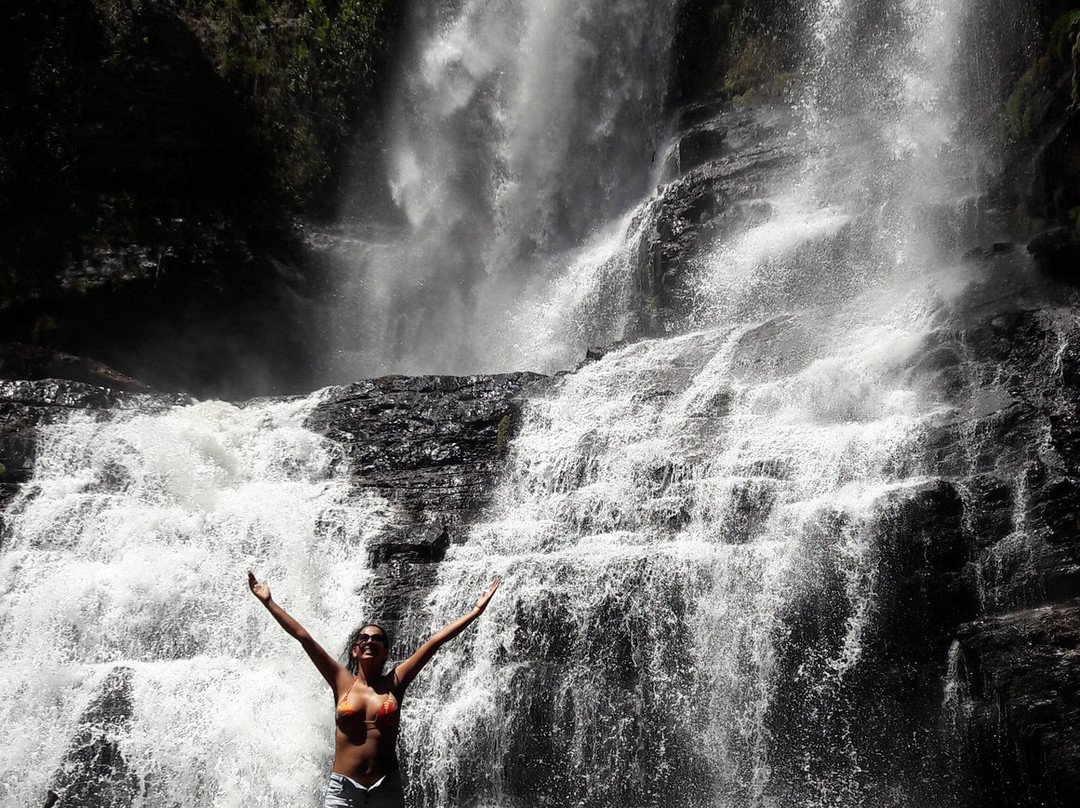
1046 94
120 117
305 69
737 49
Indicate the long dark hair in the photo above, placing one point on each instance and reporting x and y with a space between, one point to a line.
351 662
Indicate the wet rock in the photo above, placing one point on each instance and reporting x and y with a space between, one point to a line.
695 148
986 552
1023 680
94 772
827 689
432 446
731 155
1057 253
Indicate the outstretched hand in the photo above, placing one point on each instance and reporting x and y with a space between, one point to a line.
261 591
482 603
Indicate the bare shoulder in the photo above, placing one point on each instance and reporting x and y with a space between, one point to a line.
394 685
343 681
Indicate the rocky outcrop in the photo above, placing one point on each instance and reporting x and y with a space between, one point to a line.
94 771
432 446
1020 481
26 405
713 182
1022 680
977 575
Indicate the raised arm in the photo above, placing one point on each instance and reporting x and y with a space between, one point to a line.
407 670
331 670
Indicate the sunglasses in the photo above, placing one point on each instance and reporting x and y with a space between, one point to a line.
364 639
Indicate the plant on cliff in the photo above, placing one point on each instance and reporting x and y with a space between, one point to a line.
735 49
137 130
1036 116
304 69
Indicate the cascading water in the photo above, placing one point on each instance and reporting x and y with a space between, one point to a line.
125 620
688 528
521 133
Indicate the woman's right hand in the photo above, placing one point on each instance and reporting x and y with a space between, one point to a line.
261 591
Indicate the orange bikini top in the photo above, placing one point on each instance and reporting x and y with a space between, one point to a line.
387 718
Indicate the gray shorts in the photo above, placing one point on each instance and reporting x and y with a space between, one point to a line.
344 792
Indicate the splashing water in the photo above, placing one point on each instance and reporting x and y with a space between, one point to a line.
675 512
671 517
522 133
128 554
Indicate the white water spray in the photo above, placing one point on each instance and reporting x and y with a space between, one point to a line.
671 508
667 512
523 133
129 553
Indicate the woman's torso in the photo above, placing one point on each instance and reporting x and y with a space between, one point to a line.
367 729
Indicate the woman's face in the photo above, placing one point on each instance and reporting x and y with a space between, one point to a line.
371 643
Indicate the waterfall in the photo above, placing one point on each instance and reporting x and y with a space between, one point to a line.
690 529
665 505
522 133
125 617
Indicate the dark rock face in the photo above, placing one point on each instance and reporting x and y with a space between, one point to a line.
714 176
1023 671
1020 487
432 446
977 572
1015 462
1057 252
94 771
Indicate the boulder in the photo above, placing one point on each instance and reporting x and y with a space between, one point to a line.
1022 677
432 445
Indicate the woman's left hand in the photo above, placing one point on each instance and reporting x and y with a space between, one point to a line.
482 603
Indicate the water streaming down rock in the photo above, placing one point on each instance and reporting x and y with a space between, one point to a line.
666 505
137 669
521 133
696 532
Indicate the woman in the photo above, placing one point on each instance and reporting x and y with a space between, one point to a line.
368 703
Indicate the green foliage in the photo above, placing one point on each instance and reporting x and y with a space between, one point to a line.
1061 41
503 435
1035 96
737 49
1074 214
302 68
754 70
1032 87
1016 117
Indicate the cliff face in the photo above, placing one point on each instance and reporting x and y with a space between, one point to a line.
155 157
432 446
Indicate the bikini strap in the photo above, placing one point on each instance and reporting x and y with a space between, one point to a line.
348 690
